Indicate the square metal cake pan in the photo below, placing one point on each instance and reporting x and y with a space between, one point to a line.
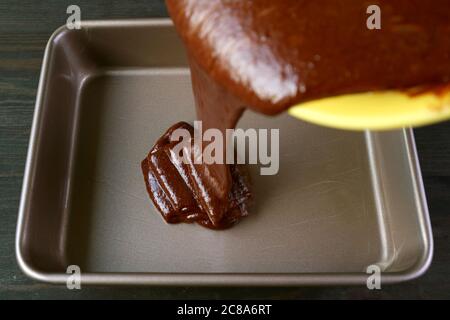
342 200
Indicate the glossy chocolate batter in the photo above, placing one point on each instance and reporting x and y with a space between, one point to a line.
185 192
273 54
269 55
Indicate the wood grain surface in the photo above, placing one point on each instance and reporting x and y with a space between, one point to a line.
25 26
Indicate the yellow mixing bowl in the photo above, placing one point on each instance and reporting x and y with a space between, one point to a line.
376 110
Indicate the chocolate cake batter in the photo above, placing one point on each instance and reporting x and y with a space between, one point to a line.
269 55
274 54
185 192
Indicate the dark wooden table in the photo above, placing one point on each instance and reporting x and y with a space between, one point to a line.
25 26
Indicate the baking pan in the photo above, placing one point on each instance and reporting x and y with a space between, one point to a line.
342 200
